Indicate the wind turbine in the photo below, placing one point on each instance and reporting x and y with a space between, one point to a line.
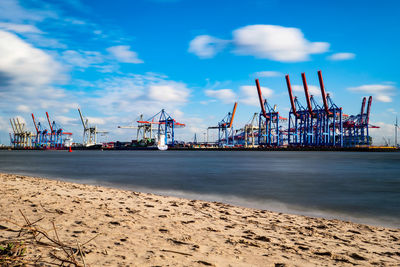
396 125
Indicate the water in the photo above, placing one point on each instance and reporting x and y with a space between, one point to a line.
362 187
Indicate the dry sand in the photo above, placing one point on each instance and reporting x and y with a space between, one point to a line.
138 229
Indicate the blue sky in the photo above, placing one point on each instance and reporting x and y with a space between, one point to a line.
118 59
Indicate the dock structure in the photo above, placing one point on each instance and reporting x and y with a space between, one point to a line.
226 136
166 125
314 125
41 138
90 132
247 136
58 137
21 137
269 130
145 132
356 127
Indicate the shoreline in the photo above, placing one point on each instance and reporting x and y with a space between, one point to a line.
177 148
145 229
273 205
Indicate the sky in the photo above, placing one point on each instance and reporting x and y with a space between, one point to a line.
118 59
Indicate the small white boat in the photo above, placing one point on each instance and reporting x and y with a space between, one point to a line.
161 143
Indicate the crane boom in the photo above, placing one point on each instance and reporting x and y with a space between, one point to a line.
291 95
260 98
321 85
48 119
19 126
368 109
303 76
233 115
12 126
83 121
128 127
362 109
34 123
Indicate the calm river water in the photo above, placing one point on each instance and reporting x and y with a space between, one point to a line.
362 187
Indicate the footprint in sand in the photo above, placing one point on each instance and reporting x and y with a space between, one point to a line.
187 222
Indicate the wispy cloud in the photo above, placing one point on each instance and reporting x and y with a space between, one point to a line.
206 46
248 94
82 59
342 56
313 90
225 95
19 28
381 92
12 11
123 54
149 92
268 73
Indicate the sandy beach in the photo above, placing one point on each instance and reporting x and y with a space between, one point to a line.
113 227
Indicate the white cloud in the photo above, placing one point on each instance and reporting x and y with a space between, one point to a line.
28 80
381 92
65 120
12 11
123 54
275 43
19 28
225 95
206 46
96 120
169 92
372 88
23 108
137 94
312 89
24 65
342 56
383 98
268 74
82 59
248 94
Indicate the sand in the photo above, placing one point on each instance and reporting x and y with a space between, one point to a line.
141 229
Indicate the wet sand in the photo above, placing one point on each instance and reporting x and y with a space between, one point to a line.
140 229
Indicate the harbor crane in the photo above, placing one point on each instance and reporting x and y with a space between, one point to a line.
248 134
250 131
58 138
89 132
225 129
314 125
269 133
41 134
144 134
22 138
356 127
165 127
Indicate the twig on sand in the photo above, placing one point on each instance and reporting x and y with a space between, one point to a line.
178 252
80 252
30 234
91 239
